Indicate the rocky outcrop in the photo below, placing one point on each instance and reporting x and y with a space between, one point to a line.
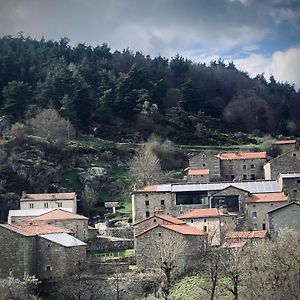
93 177
4 126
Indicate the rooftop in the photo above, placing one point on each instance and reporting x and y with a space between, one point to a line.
258 234
35 229
267 197
163 217
48 197
261 186
204 213
59 214
192 172
242 155
63 239
284 142
290 175
284 206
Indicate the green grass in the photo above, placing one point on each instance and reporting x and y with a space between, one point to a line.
105 256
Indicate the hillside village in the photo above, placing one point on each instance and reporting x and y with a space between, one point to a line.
227 202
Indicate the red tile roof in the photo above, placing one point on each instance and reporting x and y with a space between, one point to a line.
192 172
58 214
284 142
257 234
267 197
35 229
163 217
148 188
48 197
242 155
183 229
205 213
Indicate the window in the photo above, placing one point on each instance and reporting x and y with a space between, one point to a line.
48 268
147 214
298 180
232 177
254 226
244 167
203 165
147 202
192 221
253 205
31 205
205 228
159 234
294 154
295 191
252 177
263 226
59 204
146 195
154 220
271 204
204 220
252 166
46 205
254 214
203 155
244 177
162 202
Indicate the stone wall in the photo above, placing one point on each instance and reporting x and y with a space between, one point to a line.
17 254
107 267
239 169
120 232
206 161
292 186
108 244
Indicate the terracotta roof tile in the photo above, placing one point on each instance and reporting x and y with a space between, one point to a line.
204 213
284 142
163 217
148 188
35 229
58 214
242 155
267 197
257 234
192 172
48 197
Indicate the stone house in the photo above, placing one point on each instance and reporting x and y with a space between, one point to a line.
19 216
285 145
242 166
285 163
44 201
157 218
197 175
238 239
45 251
178 198
214 221
258 206
181 245
76 224
290 184
206 160
284 217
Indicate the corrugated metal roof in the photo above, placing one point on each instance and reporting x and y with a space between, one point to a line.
290 175
63 239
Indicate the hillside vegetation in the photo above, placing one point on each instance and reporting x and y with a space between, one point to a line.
126 96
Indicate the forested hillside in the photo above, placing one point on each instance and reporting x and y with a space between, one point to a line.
128 96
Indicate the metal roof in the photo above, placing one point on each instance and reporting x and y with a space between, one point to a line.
263 186
63 239
290 175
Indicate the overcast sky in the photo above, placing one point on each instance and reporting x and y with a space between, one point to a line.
258 35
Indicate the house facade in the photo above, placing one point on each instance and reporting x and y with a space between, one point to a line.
285 145
198 175
258 206
238 239
290 184
215 222
46 201
287 162
45 251
284 217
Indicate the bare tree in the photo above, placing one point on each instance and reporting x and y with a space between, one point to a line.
144 168
50 125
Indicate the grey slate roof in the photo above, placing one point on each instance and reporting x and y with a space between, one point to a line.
290 175
63 239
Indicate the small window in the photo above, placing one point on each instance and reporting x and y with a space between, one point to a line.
147 202
295 191
252 166
48 268
232 177
205 228
146 195
204 220
203 165
298 180
147 214
203 155
159 234
254 214
253 205
263 226
244 167
162 202
48 245
252 177
254 226
154 220
31 205
294 154
271 204
244 177
46 205
201 175
59 204
192 221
